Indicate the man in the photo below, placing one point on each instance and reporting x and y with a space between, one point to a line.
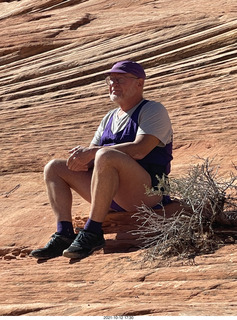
132 146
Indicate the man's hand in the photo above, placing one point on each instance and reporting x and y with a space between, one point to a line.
81 159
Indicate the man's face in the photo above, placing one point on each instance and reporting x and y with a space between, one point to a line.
123 87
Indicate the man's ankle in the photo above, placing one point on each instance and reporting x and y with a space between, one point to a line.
93 226
65 228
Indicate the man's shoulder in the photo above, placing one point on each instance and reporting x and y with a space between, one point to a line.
153 106
153 103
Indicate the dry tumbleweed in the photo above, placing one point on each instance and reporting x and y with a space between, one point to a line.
206 200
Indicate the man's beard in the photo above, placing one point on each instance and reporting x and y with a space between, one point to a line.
114 98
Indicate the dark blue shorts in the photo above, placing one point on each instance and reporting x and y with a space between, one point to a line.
165 200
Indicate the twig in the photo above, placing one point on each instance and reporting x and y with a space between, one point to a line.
7 194
208 199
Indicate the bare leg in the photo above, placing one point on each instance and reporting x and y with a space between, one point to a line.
118 176
115 176
59 180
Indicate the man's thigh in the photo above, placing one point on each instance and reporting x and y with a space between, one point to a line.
133 181
78 181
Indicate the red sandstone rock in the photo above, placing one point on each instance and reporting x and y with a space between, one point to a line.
52 96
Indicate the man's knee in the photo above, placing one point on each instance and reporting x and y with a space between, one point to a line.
51 168
105 156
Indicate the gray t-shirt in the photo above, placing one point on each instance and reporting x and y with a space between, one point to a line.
153 119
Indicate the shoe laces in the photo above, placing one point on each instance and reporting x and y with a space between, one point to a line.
53 241
85 239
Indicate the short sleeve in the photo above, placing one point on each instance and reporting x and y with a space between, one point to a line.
100 129
154 119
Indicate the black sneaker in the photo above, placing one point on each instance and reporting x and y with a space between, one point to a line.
85 243
54 248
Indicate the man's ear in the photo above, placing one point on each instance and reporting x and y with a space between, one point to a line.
140 82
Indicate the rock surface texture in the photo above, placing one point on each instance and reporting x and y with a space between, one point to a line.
53 55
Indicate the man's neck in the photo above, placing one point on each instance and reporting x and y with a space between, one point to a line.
126 106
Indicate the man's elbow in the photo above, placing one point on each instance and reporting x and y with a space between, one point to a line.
139 155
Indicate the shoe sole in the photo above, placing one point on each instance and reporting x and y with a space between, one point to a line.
44 258
76 255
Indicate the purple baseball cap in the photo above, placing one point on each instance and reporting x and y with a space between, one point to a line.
128 66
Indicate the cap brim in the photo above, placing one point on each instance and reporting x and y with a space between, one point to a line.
115 71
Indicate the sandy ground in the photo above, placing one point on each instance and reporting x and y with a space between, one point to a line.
53 56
